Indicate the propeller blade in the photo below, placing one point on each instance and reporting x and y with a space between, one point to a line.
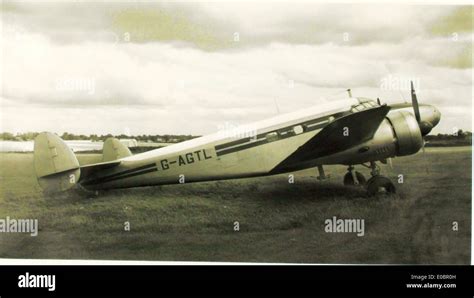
390 164
414 102
378 101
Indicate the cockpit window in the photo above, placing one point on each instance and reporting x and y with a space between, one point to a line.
363 105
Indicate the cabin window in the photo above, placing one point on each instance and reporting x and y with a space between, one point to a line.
272 136
298 129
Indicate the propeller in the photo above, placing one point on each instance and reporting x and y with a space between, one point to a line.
414 102
425 127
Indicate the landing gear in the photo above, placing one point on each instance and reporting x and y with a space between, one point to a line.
322 175
353 177
379 184
376 184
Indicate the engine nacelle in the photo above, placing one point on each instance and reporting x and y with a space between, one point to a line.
407 132
397 135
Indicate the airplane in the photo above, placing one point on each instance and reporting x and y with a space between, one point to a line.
353 131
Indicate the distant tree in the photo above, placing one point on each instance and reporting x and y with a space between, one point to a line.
27 136
105 137
67 136
7 136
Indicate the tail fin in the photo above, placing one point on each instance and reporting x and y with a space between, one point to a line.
56 166
113 149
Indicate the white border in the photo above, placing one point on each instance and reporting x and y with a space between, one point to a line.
37 262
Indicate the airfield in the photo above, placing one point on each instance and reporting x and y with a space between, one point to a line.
279 222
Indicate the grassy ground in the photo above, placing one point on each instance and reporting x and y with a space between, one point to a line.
279 222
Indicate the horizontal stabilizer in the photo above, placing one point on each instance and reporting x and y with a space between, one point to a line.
89 170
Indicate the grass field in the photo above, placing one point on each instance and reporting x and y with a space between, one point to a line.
279 222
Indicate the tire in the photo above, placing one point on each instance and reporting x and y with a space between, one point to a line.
378 183
360 178
349 179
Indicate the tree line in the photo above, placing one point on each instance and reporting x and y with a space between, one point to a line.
29 136
169 138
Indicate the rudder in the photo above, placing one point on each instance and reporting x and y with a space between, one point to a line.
113 149
56 166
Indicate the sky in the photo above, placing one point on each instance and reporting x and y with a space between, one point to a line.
130 67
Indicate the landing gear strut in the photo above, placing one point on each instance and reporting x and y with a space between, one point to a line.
353 177
322 175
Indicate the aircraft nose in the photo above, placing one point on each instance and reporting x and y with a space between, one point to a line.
430 117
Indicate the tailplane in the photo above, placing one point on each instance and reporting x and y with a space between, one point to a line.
57 168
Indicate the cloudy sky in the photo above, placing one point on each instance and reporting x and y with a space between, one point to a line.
194 67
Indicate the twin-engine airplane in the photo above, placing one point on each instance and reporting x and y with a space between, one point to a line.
349 132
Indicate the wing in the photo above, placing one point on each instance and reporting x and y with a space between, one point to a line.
339 135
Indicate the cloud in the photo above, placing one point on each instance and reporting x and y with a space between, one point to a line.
211 26
188 78
459 20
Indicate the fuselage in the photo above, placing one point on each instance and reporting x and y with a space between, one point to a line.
256 149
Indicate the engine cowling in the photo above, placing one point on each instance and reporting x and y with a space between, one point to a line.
397 135
407 132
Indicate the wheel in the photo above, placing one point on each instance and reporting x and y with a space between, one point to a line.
360 178
349 179
378 184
